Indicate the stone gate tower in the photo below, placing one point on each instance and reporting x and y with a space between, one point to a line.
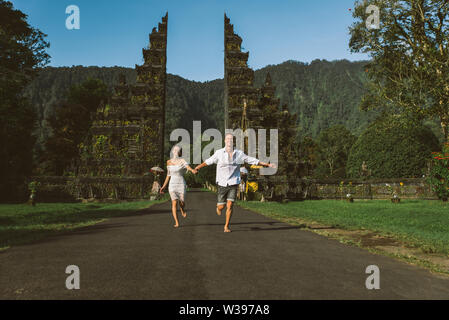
257 108
239 82
127 135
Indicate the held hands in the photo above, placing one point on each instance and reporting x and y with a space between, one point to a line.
195 171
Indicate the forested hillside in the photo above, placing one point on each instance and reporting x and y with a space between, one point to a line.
322 93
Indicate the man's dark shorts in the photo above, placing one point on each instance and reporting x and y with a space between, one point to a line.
228 193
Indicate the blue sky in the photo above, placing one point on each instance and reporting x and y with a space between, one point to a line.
113 32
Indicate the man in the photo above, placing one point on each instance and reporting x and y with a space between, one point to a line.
228 163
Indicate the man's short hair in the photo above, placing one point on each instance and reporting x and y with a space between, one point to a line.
229 134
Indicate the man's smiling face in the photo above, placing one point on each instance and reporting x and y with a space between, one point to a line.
229 141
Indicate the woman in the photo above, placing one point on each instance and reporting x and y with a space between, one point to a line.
176 168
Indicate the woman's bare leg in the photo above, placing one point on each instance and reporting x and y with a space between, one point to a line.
181 207
174 204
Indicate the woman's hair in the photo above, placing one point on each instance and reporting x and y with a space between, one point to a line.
179 153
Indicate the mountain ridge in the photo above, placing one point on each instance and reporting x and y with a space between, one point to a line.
322 93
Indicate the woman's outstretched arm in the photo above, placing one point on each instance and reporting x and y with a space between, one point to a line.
194 171
186 165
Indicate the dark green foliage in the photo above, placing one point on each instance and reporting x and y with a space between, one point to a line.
70 124
190 100
393 147
308 155
186 100
17 120
322 94
53 85
334 145
409 68
22 51
198 180
90 94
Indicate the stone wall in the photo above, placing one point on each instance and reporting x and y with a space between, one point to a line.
332 189
74 189
68 189
370 189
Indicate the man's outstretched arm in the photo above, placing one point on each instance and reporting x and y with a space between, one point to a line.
198 167
264 164
213 159
255 161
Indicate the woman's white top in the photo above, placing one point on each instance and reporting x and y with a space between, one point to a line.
176 173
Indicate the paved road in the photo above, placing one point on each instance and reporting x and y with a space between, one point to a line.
142 256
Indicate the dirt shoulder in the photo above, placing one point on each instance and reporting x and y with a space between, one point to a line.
376 243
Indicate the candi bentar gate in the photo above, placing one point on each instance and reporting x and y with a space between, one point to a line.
127 135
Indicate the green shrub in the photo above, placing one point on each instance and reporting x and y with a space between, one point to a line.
439 173
392 147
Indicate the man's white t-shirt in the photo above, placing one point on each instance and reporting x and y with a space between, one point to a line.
228 169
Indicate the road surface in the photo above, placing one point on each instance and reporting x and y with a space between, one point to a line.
141 256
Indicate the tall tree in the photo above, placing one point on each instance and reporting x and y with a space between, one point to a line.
70 125
22 52
334 145
409 70
89 94
308 150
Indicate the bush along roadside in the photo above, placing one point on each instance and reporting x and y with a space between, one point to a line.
439 173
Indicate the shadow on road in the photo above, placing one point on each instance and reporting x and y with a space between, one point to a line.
151 211
251 228
233 224
269 229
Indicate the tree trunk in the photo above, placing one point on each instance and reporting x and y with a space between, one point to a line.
444 120
330 162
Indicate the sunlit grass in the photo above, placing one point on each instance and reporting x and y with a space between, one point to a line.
422 223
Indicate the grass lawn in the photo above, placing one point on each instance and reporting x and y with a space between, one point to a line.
421 223
22 223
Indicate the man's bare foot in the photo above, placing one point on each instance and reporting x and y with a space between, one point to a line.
218 212
227 230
